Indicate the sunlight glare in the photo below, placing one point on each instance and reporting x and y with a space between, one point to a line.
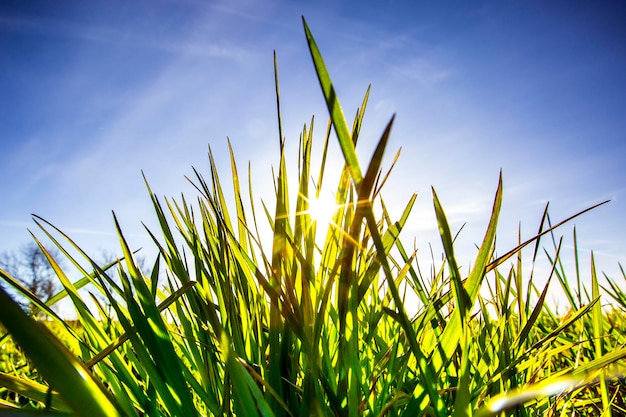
323 208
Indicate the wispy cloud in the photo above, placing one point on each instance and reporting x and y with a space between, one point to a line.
9 223
421 70
182 45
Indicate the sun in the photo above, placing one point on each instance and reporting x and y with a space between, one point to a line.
323 208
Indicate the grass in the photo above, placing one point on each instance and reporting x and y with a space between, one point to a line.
315 323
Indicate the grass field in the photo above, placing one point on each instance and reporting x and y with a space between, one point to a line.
315 323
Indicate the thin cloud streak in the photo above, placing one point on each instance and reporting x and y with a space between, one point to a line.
56 28
14 224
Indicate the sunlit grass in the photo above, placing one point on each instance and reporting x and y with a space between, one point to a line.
315 321
322 209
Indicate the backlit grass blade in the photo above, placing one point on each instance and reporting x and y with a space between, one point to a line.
469 290
598 333
33 390
280 261
60 368
88 277
320 175
218 191
334 108
172 255
80 283
609 360
90 323
538 309
241 215
32 298
358 118
485 252
348 282
94 333
124 337
389 239
366 210
566 323
248 399
379 185
513 251
304 233
460 294
154 334
462 401
367 185
615 290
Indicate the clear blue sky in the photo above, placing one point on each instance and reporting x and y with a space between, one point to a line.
91 93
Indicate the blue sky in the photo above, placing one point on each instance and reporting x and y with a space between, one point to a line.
92 93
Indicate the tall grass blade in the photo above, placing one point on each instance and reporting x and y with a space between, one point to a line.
334 108
598 333
468 291
34 391
61 369
493 264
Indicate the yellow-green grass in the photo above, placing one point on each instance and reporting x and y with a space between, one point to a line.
317 323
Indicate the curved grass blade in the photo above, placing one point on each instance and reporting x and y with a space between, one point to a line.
124 337
63 371
80 283
493 264
155 336
247 397
334 108
33 390
460 294
539 304
598 321
468 290
32 298
366 210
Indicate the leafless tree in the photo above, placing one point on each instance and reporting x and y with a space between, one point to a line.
30 267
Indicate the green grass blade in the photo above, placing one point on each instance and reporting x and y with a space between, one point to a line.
469 291
241 215
463 401
538 309
248 399
34 390
124 337
32 298
366 209
61 369
598 333
154 333
460 294
605 361
493 264
334 108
